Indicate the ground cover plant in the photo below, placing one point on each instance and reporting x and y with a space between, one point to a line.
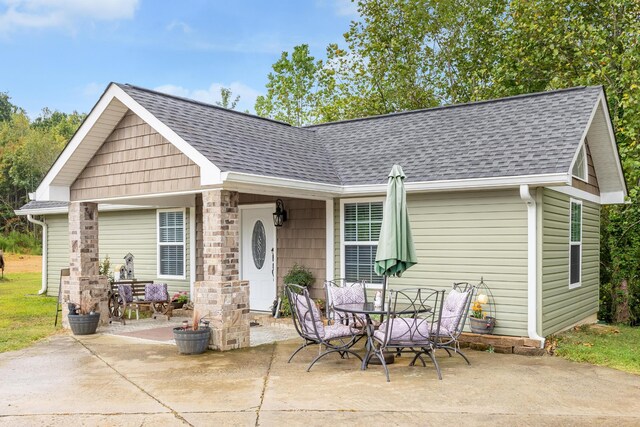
602 345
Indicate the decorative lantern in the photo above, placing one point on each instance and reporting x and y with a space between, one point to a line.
280 215
483 310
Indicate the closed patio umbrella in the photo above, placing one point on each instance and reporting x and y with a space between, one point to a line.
396 252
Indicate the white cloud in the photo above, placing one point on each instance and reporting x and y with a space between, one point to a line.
211 95
179 25
42 14
347 8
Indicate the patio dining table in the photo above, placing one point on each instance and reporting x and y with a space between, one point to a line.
369 309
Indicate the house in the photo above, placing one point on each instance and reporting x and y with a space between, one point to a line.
509 190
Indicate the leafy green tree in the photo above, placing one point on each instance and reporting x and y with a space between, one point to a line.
227 100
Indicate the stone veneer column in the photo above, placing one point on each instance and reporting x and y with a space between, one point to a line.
220 296
84 284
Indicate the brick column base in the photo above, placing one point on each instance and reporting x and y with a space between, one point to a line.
91 290
226 306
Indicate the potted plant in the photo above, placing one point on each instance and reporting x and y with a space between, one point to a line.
83 319
479 322
194 338
179 299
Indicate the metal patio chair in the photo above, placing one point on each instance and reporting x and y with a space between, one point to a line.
340 292
454 315
336 338
408 325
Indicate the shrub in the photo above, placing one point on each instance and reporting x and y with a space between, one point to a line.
20 243
299 275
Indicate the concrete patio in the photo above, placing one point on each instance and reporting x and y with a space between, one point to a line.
112 380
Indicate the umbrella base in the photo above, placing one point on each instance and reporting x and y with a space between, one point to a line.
389 359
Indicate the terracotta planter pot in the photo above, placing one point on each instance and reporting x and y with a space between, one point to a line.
482 326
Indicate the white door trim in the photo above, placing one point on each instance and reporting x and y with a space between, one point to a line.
275 242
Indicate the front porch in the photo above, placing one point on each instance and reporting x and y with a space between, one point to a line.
219 263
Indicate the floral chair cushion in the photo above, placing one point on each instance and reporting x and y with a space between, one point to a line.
353 294
309 316
156 292
125 293
452 311
339 331
404 330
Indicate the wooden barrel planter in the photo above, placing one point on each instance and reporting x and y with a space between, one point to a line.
84 324
190 341
482 326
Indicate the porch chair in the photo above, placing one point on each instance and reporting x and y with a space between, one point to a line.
454 315
408 325
336 338
340 292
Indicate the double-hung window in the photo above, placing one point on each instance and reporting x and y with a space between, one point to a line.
575 242
361 230
171 239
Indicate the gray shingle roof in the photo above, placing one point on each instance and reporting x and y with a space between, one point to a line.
522 135
37 205
240 142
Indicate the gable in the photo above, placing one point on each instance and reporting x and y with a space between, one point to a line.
135 160
591 185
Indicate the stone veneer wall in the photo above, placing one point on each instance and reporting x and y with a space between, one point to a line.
84 285
220 296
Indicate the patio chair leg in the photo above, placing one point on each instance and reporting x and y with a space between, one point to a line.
416 357
320 356
435 362
296 352
447 350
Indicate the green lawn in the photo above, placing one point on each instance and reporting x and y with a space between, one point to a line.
617 347
25 316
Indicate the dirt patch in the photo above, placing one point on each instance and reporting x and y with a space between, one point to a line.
16 263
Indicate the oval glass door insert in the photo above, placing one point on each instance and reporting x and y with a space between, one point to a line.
259 244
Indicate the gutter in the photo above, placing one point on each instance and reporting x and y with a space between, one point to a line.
532 263
30 218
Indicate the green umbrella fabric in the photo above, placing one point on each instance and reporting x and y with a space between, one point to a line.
396 252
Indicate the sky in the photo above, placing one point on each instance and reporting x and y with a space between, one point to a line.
62 54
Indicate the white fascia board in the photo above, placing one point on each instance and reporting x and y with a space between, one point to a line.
583 138
613 197
43 192
331 190
209 173
578 194
612 143
101 208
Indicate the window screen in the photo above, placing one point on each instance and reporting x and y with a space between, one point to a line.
575 242
171 243
362 222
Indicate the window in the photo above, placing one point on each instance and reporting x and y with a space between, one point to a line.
580 166
361 228
171 236
575 242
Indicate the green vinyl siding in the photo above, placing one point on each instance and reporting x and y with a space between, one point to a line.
463 236
119 233
57 250
561 306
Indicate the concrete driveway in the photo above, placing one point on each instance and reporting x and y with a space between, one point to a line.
112 380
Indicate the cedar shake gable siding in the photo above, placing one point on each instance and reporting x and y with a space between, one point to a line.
135 160
591 186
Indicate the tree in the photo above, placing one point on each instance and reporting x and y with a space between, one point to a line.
292 88
225 99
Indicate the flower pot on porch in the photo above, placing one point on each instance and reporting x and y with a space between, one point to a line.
84 324
177 305
482 326
190 341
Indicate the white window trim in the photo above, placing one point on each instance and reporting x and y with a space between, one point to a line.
184 244
582 150
342 241
578 202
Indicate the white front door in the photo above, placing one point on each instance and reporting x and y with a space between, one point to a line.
257 254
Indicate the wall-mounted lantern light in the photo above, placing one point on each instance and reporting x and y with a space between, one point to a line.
280 215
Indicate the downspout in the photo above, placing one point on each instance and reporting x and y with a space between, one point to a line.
532 272
30 218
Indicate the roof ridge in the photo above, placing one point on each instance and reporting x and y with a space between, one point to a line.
206 104
451 106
